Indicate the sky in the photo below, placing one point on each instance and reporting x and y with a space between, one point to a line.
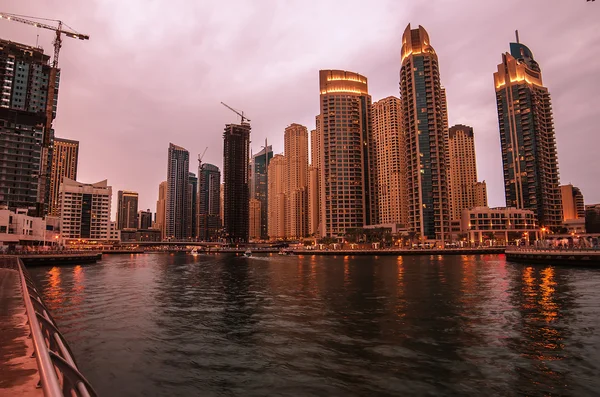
155 71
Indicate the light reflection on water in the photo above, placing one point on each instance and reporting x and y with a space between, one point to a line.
162 325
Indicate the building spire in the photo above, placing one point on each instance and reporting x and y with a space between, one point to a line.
517 34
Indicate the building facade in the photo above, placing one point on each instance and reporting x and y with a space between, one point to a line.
236 150
501 224
65 154
254 222
259 185
127 210
144 219
349 170
178 195
391 163
296 190
192 222
573 206
314 181
161 205
209 202
424 119
85 210
277 199
25 138
465 191
526 124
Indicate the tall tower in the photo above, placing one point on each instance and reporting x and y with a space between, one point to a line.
209 202
465 192
24 73
193 206
127 210
64 164
258 188
424 118
296 154
178 186
348 175
161 205
314 181
277 199
389 143
527 136
254 225
236 150
572 202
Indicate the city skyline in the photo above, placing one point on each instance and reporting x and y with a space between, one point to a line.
471 99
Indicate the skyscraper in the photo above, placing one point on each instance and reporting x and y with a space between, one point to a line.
527 136
236 150
144 219
258 185
192 225
296 189
424 119
314 181
572 202
178 186
389 143
127 209
465 191
64 164
277 199
25 72
254 222
348 175
161 206
85 210
209 202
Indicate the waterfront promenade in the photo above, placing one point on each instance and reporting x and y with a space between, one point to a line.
563 256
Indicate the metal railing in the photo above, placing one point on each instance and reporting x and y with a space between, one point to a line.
58 371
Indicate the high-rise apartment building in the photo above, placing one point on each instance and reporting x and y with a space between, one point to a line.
314 182
480 193
24 134
277 199
161 205
465 191
296 154
178 195
192 223
349 173
424 120
254 222
84 210
573 206
65 153
210 196
236 150
389 144
144 219
127 209
527 137
258 184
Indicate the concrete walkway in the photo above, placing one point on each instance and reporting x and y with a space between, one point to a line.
18 370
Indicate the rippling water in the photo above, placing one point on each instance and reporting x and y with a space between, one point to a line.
178 325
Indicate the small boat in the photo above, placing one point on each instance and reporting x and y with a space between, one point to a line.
286 252
248 253
194 251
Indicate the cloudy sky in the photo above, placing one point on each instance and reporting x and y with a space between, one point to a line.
155 71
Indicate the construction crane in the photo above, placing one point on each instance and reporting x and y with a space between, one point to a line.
239 113
200 157
44 172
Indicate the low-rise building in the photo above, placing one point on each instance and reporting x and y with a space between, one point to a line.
18 228
502 224
132 235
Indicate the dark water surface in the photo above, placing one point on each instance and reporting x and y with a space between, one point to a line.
178 325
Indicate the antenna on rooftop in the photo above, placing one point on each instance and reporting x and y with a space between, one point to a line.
517 34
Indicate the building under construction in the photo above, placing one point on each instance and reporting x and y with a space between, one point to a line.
25 75
236 148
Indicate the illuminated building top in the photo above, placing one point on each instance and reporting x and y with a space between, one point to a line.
341 81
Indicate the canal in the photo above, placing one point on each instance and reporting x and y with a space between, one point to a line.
220 325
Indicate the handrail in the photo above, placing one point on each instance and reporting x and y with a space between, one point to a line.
59 375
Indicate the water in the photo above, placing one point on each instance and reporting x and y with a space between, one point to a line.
178 325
